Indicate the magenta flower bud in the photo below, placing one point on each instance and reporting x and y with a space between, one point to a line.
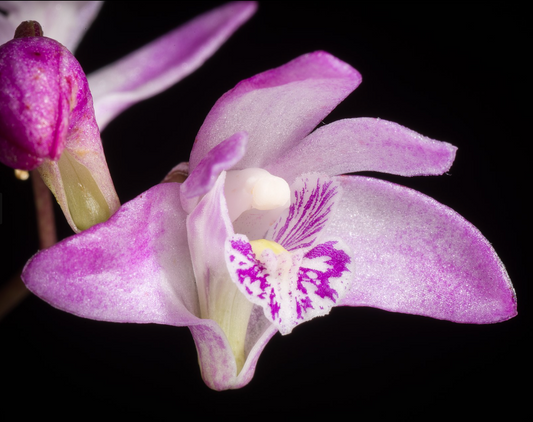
47 121
38 77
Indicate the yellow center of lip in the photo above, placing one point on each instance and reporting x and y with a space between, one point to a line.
258 246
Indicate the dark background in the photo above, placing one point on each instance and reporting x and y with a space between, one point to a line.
451 72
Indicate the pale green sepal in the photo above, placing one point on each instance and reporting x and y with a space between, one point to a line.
85 201
82 186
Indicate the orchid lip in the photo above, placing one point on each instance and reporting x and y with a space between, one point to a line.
295 274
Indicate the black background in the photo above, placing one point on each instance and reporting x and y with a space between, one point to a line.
451 72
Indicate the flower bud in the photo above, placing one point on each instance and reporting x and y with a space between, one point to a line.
46 110
34 102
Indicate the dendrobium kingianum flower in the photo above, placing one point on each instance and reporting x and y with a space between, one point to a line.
48 119
267 231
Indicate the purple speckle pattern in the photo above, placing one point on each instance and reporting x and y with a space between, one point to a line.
250 272
290 287
335 265
312 203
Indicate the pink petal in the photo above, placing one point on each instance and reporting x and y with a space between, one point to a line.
414 255
365 144
165 61
62 21
216 360
133 268
277 108
222 157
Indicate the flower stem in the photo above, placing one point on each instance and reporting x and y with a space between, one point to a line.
44 210
14 291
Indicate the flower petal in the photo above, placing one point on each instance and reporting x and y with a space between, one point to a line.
63 21
133 268
365 144
216 360
277 108
165 61
208 227
224 156
414 255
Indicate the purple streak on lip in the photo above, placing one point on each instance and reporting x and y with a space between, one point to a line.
307 215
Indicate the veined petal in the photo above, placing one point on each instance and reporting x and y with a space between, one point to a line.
63 21
165 61
277 108
415 255
365 144
81 184
135 267
314 198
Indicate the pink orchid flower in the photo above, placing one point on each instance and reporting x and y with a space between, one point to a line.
268 232
50 120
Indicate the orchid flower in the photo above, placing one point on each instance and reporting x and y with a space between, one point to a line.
268 232
48 119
